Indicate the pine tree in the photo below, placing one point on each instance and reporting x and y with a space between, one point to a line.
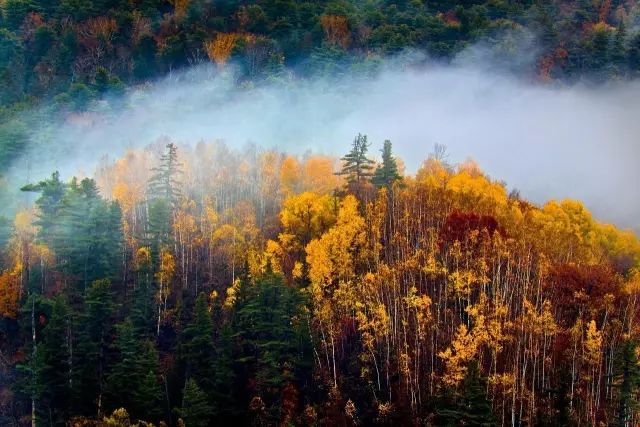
92 347
225 379
197 350
164 183
275 347
133 380
357 167
55 374
387 173
195 410
475 407
628 374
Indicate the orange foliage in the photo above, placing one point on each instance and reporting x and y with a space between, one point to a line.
219 49
336 29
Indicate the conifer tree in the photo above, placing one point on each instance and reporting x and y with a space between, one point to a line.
387 173
476 409
628 373
195 409
133 380
357 167
56 367
92 347
197 345
164 183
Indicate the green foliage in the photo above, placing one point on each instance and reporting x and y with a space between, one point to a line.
471 407
197 345
92 347
133 378
271 324
387 173
356 166
195 409
628 383
83 229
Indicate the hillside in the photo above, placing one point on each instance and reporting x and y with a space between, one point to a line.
260 288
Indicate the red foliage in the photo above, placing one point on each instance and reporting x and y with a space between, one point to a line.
459 225
578 288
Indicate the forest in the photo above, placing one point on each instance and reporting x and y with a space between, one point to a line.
62 55
192 283
206 285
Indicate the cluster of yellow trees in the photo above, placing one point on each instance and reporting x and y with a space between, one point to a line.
413 281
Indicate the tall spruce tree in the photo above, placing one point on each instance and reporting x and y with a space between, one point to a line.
356 166
56 364
195 410
276 350
196 345
628 383
475 407
133 378
93 341
387 173
164 183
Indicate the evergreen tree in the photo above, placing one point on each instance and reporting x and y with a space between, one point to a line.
133 380
49 206
357 167
197 345
387 173
471 408
628 375
225 378
275 345
91 350
56 367
143 304
476 409
164 183
195 410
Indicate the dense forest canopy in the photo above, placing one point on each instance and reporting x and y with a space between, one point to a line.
186 283
65 54
201 285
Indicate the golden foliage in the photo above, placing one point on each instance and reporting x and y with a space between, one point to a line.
336 29
219 49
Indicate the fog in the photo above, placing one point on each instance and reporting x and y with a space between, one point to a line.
546 140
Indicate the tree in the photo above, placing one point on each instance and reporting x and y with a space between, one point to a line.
133 377
197 350
356 166
387 173
476 409
92 347
628 384
195 409
272 325
56 367
164 183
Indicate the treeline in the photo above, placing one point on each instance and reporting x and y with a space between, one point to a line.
74 55
205 285
78 50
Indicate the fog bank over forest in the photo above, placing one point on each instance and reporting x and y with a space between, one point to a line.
546 140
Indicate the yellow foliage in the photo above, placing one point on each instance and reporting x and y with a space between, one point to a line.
290 176
456 358
331 257
219 49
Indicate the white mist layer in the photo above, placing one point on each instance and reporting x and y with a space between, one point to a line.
548 142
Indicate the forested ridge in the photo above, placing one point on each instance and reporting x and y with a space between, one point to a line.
205 285
63 56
